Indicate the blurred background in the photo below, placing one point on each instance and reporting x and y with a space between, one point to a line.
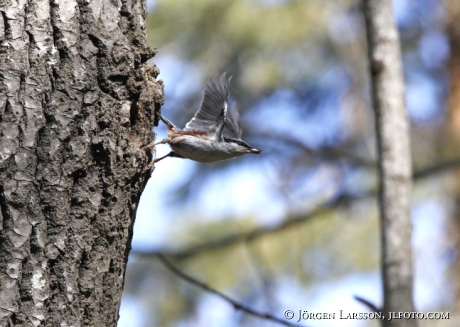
296 227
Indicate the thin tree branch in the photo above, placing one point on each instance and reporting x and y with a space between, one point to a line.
440 167
330 153
343 200
235 304
338 154
241 237
368 304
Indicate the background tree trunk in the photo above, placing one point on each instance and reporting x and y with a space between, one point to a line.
394 158
77 100
453 32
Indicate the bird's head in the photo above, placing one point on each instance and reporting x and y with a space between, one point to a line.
242 147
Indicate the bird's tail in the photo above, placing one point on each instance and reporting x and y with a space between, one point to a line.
168 123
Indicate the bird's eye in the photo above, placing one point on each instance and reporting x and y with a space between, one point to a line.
239 142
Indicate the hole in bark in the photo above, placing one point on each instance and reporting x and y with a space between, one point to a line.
14 319
49 119
157 116
46 210
22 83
106 198
76 201
110 238
8 109
80 131
31 37
85 259
119 79
3 207
25 296
133 113
34 246
55 78
103 125
80 173
111 267
86 293
100 155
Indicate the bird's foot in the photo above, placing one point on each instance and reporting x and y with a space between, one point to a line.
151 145
148 147
151 166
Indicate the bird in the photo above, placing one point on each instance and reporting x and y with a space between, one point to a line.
213 134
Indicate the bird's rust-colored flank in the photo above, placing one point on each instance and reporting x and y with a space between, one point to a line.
191 133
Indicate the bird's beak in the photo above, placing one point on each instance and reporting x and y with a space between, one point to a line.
253 150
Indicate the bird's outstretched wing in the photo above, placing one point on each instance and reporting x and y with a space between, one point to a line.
213 108
231 128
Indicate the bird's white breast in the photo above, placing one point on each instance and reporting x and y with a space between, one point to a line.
203 150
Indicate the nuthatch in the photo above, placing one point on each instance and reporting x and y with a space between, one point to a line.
213 133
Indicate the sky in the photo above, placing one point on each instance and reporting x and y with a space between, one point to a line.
247 190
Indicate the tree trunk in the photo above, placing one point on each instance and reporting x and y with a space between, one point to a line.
394 159
77 102
453 32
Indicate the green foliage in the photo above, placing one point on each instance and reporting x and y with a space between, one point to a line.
258 41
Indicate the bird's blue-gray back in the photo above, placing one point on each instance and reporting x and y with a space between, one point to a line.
213 105
214 110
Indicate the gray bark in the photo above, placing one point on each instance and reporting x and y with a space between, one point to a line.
77 100
394 158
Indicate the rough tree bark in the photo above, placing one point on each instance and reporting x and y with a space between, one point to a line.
453 65
394 159
77 102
